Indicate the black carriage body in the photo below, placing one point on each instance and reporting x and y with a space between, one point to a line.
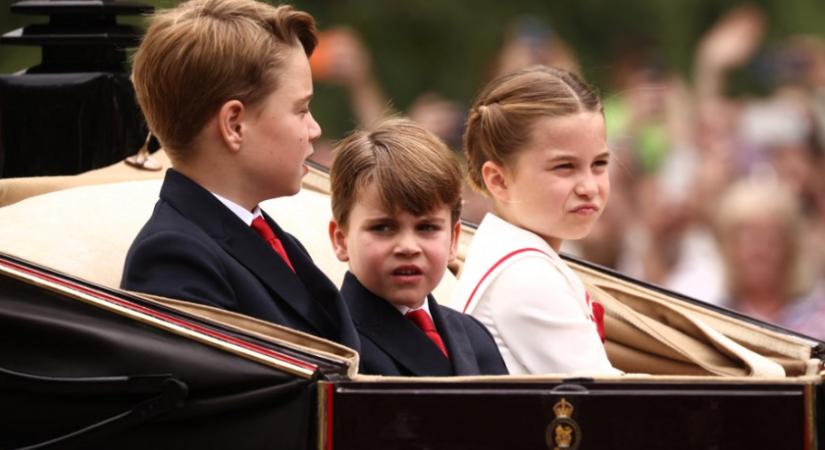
88 367
122 373
676 414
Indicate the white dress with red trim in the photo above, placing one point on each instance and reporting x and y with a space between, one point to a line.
534 305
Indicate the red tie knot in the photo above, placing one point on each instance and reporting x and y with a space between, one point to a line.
262 228
422 320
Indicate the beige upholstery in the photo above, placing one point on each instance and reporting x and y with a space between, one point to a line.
85 231
13 190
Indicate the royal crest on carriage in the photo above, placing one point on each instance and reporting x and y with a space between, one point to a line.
563 433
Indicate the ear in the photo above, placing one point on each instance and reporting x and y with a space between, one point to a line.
454 240
339 241
230 124
495 180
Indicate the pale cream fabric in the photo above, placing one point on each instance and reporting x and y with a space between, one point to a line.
86 231
13 190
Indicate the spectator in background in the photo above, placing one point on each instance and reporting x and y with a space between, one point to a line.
341 58
530 41
768 274
676 147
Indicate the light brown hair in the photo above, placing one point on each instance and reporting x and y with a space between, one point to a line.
413 170
203 53
501 118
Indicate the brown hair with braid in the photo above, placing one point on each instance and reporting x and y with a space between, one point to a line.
505 111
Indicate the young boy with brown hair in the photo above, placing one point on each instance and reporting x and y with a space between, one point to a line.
396 201
225 85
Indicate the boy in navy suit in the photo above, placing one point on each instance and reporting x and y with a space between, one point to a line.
396 200
225 85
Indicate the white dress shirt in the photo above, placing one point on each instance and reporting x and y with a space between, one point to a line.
245 215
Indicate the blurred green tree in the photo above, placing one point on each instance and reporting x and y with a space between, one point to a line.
449 47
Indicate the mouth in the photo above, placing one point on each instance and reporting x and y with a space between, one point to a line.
585 210
407 273
305 165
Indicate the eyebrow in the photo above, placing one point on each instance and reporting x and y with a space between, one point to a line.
431 218
378 219
558 154
305 99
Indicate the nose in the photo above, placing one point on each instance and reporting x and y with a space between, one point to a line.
313 128
587 186
406 245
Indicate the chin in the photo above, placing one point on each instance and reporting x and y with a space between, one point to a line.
578 235
290 190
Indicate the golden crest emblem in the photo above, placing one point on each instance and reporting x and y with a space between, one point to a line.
563 433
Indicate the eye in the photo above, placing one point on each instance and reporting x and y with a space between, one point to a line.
382 227
601 163
563 167
428 227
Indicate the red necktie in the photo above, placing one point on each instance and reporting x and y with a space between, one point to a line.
421 319
262 228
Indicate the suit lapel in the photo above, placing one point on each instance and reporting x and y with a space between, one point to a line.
240 241
396 335
455 339
326 306
251 251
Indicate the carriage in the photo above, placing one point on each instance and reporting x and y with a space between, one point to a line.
84 364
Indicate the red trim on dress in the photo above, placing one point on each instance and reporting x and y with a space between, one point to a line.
494 267
596 309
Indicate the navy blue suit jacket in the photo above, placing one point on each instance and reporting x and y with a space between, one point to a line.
194 248
391 344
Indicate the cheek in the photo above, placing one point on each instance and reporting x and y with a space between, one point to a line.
371 251
439 249
555 193
604 185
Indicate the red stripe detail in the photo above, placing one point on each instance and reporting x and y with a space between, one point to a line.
498 263
165 317
329 416
598 317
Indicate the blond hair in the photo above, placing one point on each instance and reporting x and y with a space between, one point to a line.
203 53
501 117
749 199
413 170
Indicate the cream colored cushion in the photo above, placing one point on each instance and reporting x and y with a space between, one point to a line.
86 231
13 190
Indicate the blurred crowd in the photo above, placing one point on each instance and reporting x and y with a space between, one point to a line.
718 196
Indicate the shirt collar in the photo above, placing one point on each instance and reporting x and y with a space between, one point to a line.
405 309
246 216
504 235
